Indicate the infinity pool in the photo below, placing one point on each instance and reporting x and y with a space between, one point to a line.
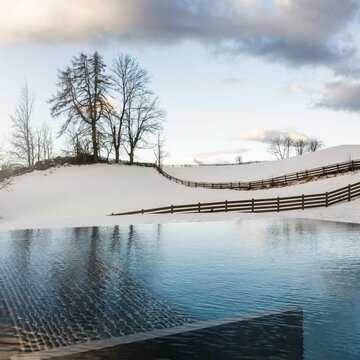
60 287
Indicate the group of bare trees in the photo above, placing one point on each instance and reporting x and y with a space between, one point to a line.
282 146
29 144
106 111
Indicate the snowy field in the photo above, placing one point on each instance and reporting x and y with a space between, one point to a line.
85 195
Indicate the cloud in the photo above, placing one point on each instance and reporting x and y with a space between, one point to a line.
229 81
295 88
341 94
297 32
219 156
213 162
224 151
266 135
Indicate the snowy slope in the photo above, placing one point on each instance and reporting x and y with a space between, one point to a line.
259 171
84 195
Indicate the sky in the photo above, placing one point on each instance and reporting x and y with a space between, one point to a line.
231 74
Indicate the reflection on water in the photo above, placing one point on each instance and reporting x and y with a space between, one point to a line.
69 289
64 286
9 342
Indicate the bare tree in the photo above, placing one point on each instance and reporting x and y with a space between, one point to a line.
288 143
276 148
37 145
238 160
44 143
280 146
143 118
315 144
105 144
47 142
5 183
159 150
83 95
77 142
5 178
22 136
301 146
129 80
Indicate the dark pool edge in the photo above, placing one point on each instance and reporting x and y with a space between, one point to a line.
121 340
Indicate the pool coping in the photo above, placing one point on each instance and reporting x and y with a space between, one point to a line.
127 339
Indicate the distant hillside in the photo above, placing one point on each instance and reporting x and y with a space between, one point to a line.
258 171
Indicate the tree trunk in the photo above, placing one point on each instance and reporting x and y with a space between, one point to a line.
131 157
95 144
117 155
28 149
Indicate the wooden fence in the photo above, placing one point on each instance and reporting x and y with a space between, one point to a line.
273 182
277 204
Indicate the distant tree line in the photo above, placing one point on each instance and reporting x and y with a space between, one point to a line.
282 146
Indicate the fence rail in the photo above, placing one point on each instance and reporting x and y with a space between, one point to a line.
275 204
278 181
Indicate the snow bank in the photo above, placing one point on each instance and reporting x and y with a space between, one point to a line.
259 171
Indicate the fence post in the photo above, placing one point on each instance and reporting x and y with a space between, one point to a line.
142 211
231 185
199 206
253 205
226 205
303 201
172 209
327 199
278 204
349 192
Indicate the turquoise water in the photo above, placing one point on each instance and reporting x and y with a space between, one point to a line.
59 287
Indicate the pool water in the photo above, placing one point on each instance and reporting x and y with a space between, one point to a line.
66 286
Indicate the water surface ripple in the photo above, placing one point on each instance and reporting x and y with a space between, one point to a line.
58 287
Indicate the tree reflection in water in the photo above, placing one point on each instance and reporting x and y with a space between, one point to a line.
78 287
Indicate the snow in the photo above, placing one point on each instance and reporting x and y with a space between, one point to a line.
84 195
269 169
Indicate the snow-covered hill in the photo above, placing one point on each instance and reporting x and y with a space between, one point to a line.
269 169
85 195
